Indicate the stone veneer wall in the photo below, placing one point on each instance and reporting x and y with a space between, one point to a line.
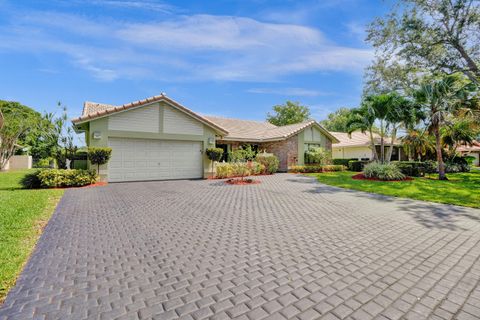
286 151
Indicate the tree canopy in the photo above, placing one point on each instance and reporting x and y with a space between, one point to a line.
288 113
424 36
18 122
337 121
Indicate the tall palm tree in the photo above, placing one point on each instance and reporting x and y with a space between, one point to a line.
441 98
362 119
392 111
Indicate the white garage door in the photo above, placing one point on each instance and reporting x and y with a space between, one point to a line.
148 159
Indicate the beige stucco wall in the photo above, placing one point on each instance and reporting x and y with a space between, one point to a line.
351 152
101 126
311 135
18 163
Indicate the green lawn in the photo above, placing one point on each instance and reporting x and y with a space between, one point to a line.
461 189
23 214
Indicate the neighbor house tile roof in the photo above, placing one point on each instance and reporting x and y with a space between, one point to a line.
474 147
93 110
358 139
259 131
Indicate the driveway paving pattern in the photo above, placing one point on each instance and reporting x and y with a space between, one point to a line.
287 248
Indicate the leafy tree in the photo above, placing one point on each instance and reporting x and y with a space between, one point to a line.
337 121
99 156
439 36
18 121
39 138
288 113
441 98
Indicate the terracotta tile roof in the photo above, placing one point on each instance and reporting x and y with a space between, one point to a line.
92 110
242 129
231 129
258 131
474 147
358 139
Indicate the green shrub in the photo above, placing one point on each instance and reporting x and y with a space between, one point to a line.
470 160
224 170
316 168
99 156
269 161
31 180
430 166
214 154
58 178
238 169
411 168
317 155
357 165
456 164
242 154
342 162
45 163
388 171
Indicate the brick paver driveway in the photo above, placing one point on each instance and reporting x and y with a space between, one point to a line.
288 248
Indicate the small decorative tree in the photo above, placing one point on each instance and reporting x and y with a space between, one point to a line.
99 156
214 154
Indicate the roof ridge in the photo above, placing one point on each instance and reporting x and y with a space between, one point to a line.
237 119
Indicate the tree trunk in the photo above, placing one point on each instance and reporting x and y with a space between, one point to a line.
441 165
382 143
390 151
372 144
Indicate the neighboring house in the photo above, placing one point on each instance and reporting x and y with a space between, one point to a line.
358 146
471 150
157 138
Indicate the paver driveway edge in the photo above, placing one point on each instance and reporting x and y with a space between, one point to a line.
288 248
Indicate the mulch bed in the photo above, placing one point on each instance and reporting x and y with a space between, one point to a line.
96 184
241 182
360 176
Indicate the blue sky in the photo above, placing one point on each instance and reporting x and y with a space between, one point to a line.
226 58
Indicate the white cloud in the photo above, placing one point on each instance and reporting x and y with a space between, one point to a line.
299 92
195 47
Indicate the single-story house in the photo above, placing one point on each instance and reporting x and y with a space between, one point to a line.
358 146
471 150
158 138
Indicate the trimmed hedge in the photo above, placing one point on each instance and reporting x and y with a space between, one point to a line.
316 169
357 165
342 162
59 178
411 168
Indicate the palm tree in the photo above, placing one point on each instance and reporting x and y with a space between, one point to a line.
417 143
393 112
362 119
459 131
441 98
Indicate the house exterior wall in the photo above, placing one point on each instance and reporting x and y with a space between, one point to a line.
104 131
351 152
311 135
285 150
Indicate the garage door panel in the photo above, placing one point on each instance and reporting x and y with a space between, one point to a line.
149 159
